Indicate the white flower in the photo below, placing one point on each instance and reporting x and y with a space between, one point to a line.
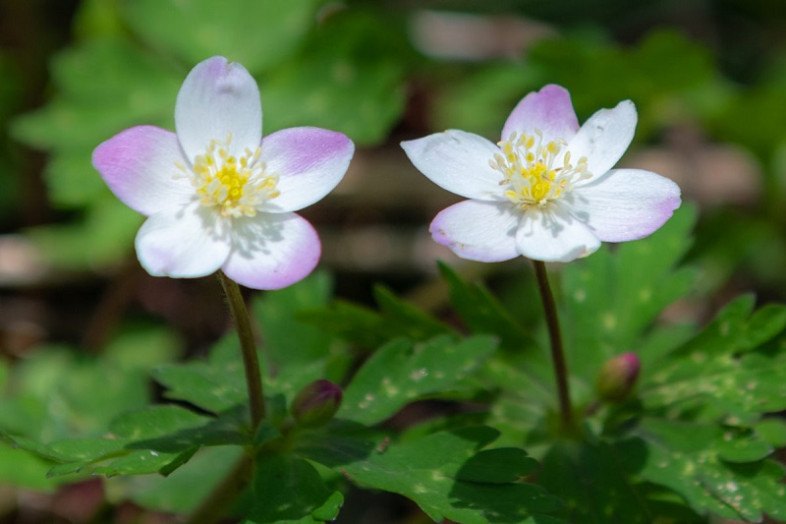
546 190
217 195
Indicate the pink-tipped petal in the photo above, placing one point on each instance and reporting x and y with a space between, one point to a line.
626 204
548 110
482 231
218 99
554 236
138 165
604 138
185 242
309 162
458 162
272 251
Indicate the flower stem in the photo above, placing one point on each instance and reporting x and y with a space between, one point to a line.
557 352
237 308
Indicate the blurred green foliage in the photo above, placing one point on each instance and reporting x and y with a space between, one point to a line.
695 442
345 73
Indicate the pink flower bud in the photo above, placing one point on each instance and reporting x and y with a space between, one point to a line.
315 404
617 377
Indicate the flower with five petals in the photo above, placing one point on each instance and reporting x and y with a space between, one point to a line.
547 190
217 195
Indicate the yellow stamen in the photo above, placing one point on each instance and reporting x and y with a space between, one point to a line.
533 171
235 186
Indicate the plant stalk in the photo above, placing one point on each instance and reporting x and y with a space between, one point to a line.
557 351
237 308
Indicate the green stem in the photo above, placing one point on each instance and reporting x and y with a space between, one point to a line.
213 507
237 308
555 337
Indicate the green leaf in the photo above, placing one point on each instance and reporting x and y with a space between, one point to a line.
348 77
521 371
329 510
256 34
772 431
154 421
289 489
681 455
610 299
339 443
498 466
142 346
666 75
135 88
53 395
708 370
430 471
480 100
154 439
404 371
369 329
173 429
295 352
357 325
406 319
742 446
215 385
482 313
178 461
104 235
763 325
592 481
184 489
23 469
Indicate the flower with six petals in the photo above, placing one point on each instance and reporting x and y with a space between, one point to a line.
547 190
217 195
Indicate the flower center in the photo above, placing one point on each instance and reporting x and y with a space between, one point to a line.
236 186
536 172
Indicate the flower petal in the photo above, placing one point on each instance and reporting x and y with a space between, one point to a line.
272 251
605 137
185 242
626 204
482 231
554 236
548 110
138 165
459 162
218 99
309 161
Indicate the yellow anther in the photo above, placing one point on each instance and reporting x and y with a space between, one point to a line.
533 171
235 186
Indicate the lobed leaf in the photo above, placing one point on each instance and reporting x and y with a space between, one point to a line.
433 472
403 371
687 457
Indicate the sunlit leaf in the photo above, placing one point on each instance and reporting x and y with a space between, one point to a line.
404 371
431 471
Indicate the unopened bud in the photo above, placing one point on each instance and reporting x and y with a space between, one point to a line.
617 377
315 404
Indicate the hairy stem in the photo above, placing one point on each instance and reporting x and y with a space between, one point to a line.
237 308
555 337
